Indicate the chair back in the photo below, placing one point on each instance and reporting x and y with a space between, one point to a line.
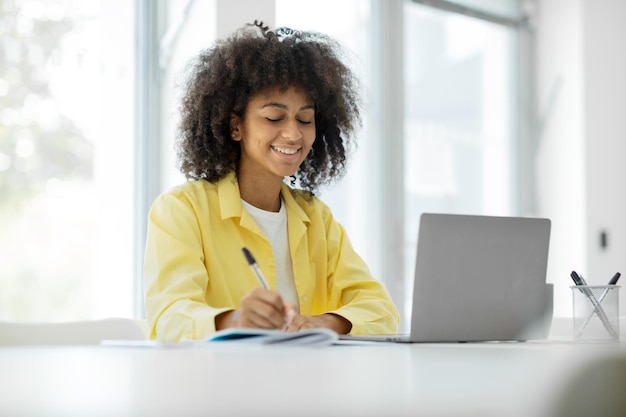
90 332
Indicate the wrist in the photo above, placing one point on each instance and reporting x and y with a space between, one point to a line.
225 320
338 323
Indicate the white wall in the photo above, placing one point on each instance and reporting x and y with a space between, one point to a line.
605 133
233 16
581 86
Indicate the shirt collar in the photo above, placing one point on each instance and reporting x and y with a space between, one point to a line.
230 199
229 196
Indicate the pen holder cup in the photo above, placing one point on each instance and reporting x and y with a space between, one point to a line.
596 312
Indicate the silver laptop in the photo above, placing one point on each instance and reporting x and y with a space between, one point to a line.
478 278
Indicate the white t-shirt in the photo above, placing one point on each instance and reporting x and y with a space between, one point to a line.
274 227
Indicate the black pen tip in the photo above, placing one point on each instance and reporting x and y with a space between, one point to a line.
248 255
576 278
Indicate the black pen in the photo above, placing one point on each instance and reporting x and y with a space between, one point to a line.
255 267
613 281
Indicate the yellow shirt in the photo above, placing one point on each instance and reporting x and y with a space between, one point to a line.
194 268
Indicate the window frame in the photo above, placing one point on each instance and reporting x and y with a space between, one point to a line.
148 131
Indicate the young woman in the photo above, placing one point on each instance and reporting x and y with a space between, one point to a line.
259 107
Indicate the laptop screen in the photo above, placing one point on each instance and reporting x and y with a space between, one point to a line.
479 277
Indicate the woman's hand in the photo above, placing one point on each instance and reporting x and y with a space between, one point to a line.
328 320
260 308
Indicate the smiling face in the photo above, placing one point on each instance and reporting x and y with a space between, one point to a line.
276 133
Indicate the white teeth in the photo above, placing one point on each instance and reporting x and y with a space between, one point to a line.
286 151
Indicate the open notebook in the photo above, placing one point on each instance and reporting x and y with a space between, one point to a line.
317 336
478 278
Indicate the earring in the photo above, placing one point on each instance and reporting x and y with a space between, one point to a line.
232 135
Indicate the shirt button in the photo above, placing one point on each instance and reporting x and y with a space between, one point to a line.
304 298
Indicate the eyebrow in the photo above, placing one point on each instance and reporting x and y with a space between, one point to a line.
284 107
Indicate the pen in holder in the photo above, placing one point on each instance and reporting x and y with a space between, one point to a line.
596 312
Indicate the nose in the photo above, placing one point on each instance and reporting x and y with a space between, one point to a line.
291 130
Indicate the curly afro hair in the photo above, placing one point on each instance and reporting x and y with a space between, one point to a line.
254 59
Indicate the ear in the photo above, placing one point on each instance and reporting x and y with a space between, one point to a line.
235 122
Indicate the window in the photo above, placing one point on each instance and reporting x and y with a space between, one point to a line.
66 159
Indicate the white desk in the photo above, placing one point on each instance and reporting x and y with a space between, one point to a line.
506 379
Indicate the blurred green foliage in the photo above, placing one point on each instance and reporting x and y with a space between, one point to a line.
37 141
